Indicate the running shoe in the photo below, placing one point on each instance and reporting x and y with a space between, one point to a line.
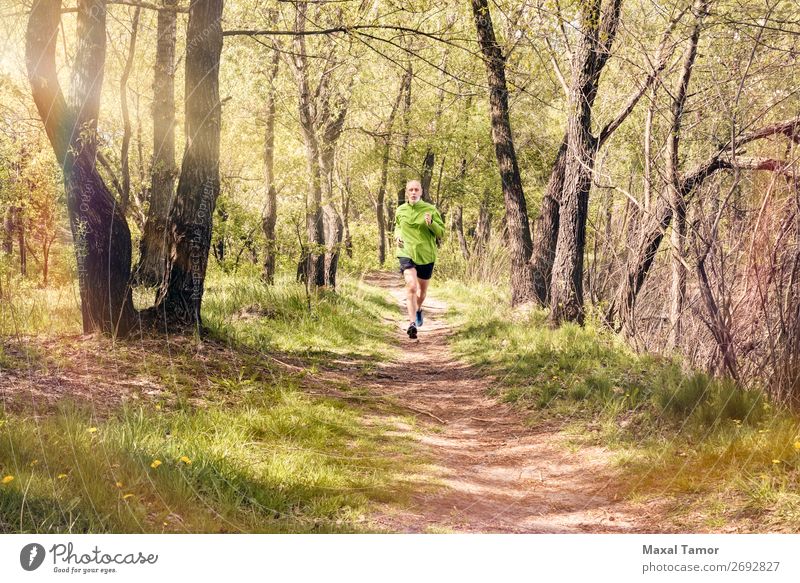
412 331
419 318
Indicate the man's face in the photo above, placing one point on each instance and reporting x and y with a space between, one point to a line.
413 191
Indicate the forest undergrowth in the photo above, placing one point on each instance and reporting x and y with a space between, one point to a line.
717 450
181 434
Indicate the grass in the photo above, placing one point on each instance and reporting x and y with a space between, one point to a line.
211 435
289 464
677 433
347 323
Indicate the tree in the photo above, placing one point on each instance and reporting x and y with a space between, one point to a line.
100 233
190 218
677 201
589 58
386 139
152 247
314 261
270 216
519 234
725 157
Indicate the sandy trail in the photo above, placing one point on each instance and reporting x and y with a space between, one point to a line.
495 473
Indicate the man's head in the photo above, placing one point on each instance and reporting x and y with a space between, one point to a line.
413 191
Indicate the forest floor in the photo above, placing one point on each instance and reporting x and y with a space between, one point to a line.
489 470
335 421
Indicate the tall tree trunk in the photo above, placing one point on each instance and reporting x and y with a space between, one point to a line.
270 217
401 192
23 250
544 244
348 239
99 230
153 245
314 261
458 225
677 201
671 204
190 218
8 230
381 202
483 227
334 230
126 117
427 175
516 211
380 214
590 56
333 227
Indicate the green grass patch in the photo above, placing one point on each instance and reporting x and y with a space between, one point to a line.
350 322
285 464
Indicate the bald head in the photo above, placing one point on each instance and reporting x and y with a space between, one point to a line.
413 191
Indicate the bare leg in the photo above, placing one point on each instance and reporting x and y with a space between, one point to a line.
412 289
423 291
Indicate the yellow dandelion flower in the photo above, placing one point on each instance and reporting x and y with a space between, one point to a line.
776 461
186 460
155 464
62 476
6 480
92 430
119 484
126 496
797 444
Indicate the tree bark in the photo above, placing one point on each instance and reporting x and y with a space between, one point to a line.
190 218
516 210
100 233
590 55
427 175
8 230
401 192
153 245
333 227
458 225
381 201
482 228
544 244
314 262
270 217
126 117
589 59
334 230
677 201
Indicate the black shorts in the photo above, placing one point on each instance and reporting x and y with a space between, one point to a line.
423 271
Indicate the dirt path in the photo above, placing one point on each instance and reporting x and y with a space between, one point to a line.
495 473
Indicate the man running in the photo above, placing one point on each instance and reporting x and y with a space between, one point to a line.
417 225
